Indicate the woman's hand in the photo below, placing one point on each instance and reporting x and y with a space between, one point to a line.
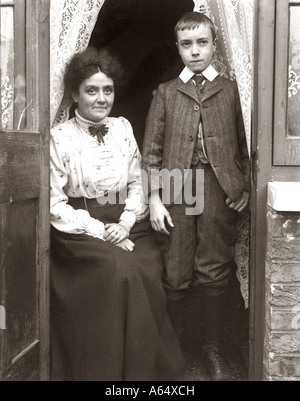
240 204
115 233
126 244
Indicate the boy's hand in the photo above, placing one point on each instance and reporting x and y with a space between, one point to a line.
159 214
240 204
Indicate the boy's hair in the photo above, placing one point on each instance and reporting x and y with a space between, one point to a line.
87 63
192 20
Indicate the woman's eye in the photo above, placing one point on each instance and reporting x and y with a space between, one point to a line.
108 91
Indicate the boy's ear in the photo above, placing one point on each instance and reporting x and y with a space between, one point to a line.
215 43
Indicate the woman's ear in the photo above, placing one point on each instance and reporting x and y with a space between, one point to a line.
75 97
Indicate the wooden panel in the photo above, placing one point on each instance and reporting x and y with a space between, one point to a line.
262 162
19 273
24 211
26 367
3 225
5 357
43 121
19 166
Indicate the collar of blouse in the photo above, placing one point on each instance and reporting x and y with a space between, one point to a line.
85 124
93 128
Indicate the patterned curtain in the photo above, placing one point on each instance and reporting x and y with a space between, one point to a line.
234 25
72 23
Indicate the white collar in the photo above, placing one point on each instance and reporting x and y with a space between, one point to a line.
87 123
209 73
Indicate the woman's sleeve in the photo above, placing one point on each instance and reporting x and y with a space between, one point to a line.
135 208
64 217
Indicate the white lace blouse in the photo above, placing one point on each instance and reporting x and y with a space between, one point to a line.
81 167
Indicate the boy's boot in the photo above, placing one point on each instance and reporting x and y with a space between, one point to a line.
214 308
175 311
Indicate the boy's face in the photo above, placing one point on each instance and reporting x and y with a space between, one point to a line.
196 47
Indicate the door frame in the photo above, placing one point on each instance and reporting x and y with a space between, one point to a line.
35 21
264 170
41 41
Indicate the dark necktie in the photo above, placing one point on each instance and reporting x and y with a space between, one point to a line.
198 79
99 131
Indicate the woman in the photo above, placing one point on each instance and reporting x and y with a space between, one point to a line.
108 315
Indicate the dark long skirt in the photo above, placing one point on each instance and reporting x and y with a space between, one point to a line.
108 316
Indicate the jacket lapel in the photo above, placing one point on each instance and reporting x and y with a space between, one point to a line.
211 88
189 89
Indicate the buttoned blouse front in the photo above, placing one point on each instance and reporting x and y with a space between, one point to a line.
83 167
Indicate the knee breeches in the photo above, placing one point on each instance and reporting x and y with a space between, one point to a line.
200 247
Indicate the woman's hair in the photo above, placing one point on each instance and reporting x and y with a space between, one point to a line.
192 20
87 63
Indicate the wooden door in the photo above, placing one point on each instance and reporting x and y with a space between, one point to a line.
24 190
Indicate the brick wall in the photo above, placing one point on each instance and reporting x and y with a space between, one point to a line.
282 335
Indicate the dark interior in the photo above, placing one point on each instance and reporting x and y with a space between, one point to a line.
141 33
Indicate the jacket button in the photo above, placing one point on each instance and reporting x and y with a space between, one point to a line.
191 138
196 108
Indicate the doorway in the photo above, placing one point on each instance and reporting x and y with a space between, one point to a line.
141 33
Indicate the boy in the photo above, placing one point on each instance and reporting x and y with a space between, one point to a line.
198 126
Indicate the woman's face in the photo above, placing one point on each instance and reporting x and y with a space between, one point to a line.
96 97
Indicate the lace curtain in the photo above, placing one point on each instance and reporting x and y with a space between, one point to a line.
234 25
72 23
7 68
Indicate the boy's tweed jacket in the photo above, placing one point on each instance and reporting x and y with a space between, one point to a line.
173 124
